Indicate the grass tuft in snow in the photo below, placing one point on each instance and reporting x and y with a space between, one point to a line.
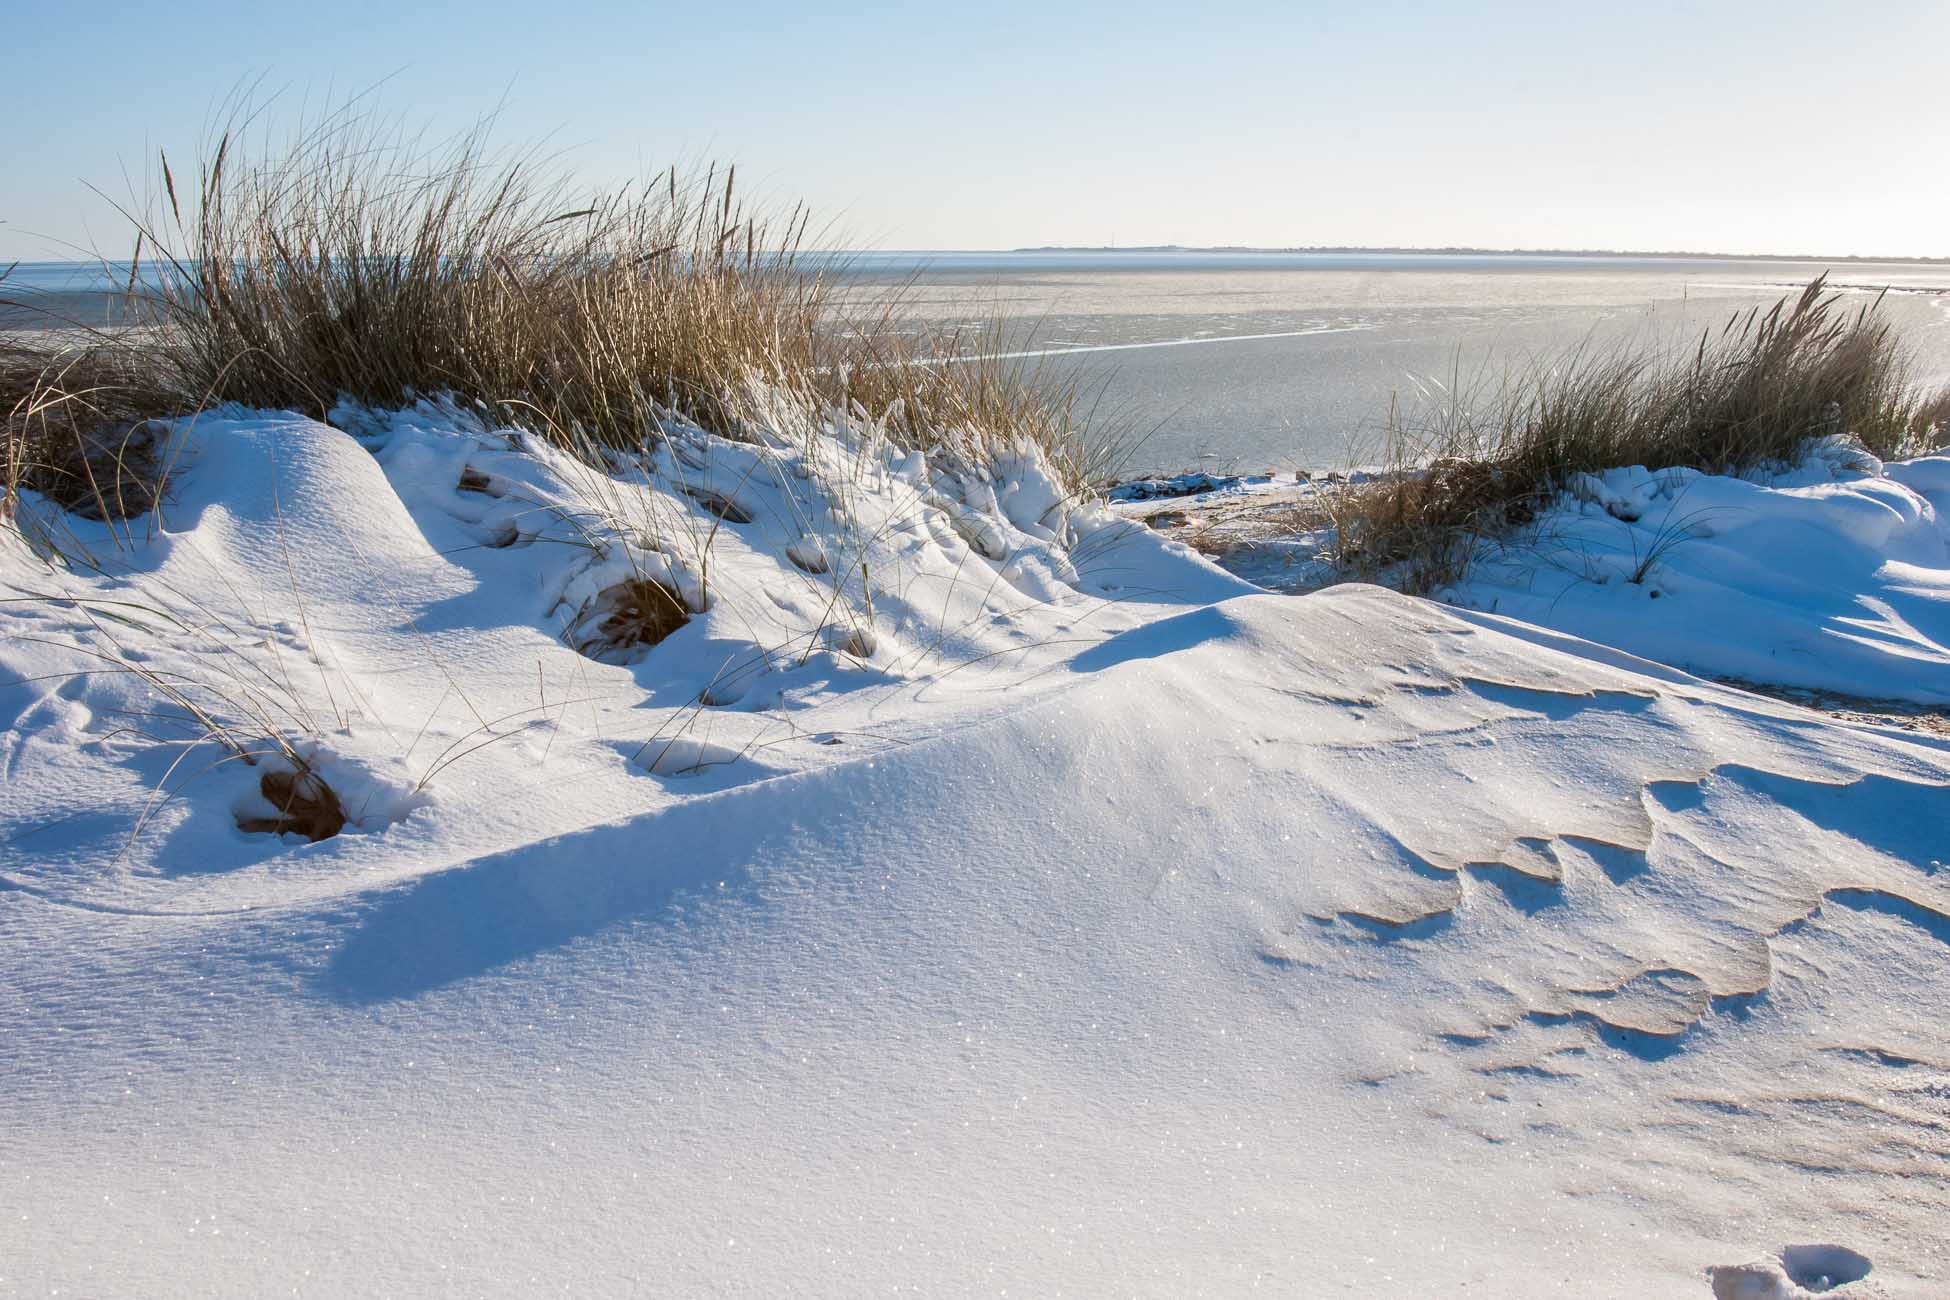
676 424
357 260
232 699
1755 393
636 612
301 803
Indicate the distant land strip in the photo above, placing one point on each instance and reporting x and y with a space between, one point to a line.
1476 252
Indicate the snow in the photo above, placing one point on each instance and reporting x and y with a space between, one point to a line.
1831 576
1021 904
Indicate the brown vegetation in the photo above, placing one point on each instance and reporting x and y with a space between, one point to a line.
1755 393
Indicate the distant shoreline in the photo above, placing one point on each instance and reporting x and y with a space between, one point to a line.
1460 251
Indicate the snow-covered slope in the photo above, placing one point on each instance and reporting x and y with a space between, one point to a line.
1019 905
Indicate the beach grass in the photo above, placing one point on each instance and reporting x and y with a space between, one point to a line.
354 261
1756 392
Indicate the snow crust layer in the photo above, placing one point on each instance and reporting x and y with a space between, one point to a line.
1019 904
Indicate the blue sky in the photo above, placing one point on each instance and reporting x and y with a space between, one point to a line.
1732 126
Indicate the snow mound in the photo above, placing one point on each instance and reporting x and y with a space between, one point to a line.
454 620
1834 576
1010 901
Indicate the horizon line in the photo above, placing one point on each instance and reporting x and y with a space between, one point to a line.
1446 249
1449 250
1453 250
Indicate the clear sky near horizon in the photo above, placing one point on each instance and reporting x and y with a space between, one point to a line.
1732 126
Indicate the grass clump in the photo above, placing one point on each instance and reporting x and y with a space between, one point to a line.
1754 393
636 612
350 262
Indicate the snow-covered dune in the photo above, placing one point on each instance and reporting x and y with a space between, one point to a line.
1019 904
1833 575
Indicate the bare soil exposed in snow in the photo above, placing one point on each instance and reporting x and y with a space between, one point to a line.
1853 708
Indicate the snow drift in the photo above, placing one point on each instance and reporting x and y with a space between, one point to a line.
967 891
1832 575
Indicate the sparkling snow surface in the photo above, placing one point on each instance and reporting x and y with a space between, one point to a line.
1075 922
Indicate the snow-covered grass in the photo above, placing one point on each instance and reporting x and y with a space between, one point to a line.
813 554
1829 573
353 265
355 260
1476 464
352 271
